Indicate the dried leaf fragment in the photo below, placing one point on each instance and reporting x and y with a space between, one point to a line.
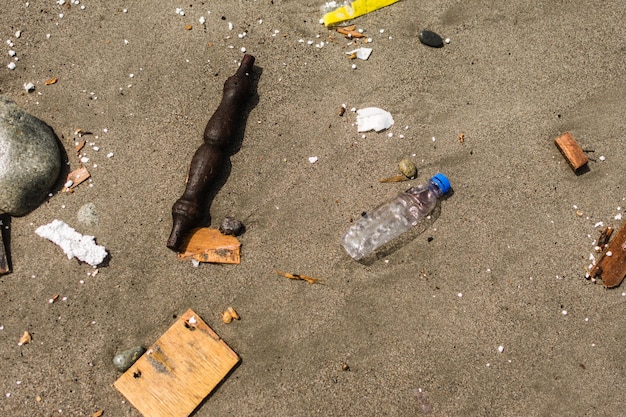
188 27
395 178
97 413
51 81
306 278
25 339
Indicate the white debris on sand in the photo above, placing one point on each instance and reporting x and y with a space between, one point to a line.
73 243
361 53
373 118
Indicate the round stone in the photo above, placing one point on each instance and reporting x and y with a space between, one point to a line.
124 360
431 39
30 159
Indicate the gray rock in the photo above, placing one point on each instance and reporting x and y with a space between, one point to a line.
30 159
431 39
87 214
124 360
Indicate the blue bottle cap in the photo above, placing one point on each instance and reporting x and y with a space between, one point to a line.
442 182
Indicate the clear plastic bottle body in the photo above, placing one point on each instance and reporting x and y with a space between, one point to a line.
390 220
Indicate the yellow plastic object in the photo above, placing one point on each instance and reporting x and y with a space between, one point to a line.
355 9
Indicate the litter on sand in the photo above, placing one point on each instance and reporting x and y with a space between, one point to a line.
74 244
373 118
612 264
179 370
360 53
340 11
210 245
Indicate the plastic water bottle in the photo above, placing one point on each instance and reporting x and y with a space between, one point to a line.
394 217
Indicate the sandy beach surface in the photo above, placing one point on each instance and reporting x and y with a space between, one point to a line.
486 313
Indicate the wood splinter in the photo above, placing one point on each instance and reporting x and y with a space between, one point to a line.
611 267
299 277
210 157
572 151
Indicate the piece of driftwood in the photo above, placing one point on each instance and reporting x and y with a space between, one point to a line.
210 157
179 370
210 245
612 264
571 150
5 268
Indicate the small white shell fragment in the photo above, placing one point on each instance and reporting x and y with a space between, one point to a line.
29 87
609 253
192 320
313 159
447 40
110 155
373 118
500 348
361 53
11 65
12 53
202 20
74 244
602 158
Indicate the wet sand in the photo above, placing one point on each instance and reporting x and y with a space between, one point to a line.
487 311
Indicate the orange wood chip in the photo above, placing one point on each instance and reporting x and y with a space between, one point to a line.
612 265
188 27
210 245
571 150
350 32
51 81
78 176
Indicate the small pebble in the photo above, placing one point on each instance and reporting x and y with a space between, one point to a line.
430 39
408 168
231 226
124 360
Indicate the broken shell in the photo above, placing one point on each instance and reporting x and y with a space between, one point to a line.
408 168
227 317
233 313
124 360
25 339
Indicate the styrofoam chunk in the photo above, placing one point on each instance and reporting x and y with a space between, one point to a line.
373 118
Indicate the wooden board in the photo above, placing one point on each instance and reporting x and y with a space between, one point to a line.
612 268
210 245
571 150
4 260
179 370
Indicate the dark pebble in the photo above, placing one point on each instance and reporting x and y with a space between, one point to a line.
431 39
231 226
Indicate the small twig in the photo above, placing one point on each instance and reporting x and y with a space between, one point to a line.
395 178
306 278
